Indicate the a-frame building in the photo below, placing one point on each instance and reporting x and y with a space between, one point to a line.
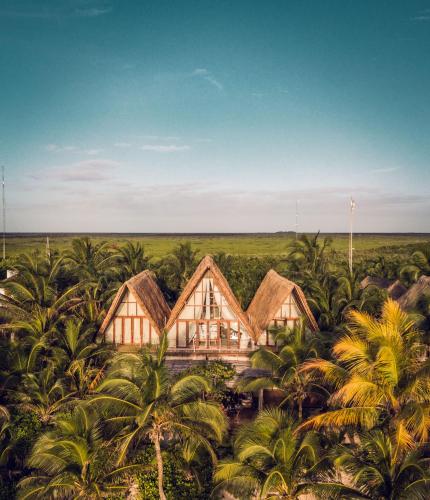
138 313
207 315
207 321
278 303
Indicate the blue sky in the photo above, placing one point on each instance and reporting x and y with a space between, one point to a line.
215 115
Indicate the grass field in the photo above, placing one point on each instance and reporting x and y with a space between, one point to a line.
238 244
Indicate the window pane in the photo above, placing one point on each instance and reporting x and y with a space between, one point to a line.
127 331
182 334
118 330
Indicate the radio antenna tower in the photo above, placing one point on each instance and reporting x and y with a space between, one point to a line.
4 214
297 218
352 207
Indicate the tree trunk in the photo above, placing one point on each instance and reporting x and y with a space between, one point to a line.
260 399
156 441
300 403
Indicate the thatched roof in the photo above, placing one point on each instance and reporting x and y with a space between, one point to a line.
271 294
418 291
375 281
208 264
149 297
396 290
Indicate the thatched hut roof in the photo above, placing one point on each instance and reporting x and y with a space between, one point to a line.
149 297
271 294
375 281
208 264
418 291
396 290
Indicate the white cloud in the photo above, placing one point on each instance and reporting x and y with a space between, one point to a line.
208 76
165 148
89 8
423 15
93 151
55 148
385 170
82 171
86 205
122 145
93 11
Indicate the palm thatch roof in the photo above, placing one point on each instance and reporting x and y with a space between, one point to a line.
375 281
148 295
396 290
271 294
205 265
420 290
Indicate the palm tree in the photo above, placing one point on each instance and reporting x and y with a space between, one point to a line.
271 460
42 393
334 294
326 301
380 470
178 267
419 264
5 441
380 377
138 396
89 259
36 309
73 461
282 366
131 259
78 353
309 255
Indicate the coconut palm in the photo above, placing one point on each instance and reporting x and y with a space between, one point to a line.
77 353
5 438
131 259
178 267
73 461
23 295
326 302
271 460
379 377
282 365
309 255
419 264
89 259
42 393
139 398
379 469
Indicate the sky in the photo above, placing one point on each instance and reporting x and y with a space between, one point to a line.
215 116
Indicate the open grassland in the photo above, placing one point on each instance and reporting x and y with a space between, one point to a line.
237 244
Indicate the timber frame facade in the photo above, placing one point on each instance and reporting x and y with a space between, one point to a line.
207 321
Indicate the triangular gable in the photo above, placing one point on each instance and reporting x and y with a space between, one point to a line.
274 291
208 265
145 291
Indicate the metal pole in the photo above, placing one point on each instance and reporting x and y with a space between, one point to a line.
48 249
297 217
4 214
351 214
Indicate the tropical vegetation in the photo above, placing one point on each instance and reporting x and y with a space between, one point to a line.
349 409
